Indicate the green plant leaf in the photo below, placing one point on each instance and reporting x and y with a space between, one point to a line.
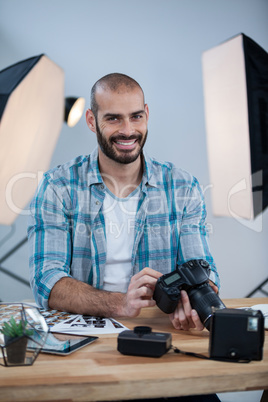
14 329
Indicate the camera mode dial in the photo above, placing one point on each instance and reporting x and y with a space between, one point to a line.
204 263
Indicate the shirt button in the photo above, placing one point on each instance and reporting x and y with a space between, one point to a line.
102 187
97 203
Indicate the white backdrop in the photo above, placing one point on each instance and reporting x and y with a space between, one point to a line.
159 43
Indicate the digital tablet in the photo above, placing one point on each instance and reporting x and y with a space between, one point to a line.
64 344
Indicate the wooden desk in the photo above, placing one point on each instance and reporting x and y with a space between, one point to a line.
99 372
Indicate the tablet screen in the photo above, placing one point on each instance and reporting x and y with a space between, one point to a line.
64 344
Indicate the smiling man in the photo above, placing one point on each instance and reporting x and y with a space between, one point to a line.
104 227
118 119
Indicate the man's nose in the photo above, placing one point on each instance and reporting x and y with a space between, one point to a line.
126 127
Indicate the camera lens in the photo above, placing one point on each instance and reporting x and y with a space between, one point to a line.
202 299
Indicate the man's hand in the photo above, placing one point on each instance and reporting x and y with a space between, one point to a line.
88 300
140 292
184 317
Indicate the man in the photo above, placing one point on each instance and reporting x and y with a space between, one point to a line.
104 227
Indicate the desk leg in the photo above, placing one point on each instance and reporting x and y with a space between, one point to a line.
264 397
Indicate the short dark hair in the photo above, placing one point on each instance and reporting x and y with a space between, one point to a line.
112 81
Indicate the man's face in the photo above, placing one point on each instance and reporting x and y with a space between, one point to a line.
121 124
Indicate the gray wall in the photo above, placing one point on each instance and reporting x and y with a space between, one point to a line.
159 43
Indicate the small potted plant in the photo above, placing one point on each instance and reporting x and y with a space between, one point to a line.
15 335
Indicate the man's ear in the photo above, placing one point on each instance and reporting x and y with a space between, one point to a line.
146 108
90 119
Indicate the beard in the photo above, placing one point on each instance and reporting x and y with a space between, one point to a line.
123 156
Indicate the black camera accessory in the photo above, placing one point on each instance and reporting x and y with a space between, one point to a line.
237 334
142 341
193 277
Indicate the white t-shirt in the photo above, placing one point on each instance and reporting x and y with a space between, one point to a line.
119 215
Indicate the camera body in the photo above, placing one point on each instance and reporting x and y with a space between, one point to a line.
236 334
193 277
143 342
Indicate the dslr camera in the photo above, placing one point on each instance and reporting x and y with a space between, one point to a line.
193 277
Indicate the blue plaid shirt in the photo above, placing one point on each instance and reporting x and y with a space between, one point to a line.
67 228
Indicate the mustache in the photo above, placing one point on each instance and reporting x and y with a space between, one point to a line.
122 137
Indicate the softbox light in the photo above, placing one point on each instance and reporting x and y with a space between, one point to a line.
31 117
74 108
235 78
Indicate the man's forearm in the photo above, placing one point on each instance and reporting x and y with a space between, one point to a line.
77 297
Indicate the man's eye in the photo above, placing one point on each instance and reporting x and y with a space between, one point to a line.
112 119
137 116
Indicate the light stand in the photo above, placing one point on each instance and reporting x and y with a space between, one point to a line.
6 256
259 289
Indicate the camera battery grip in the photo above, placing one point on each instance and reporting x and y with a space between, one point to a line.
143 342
